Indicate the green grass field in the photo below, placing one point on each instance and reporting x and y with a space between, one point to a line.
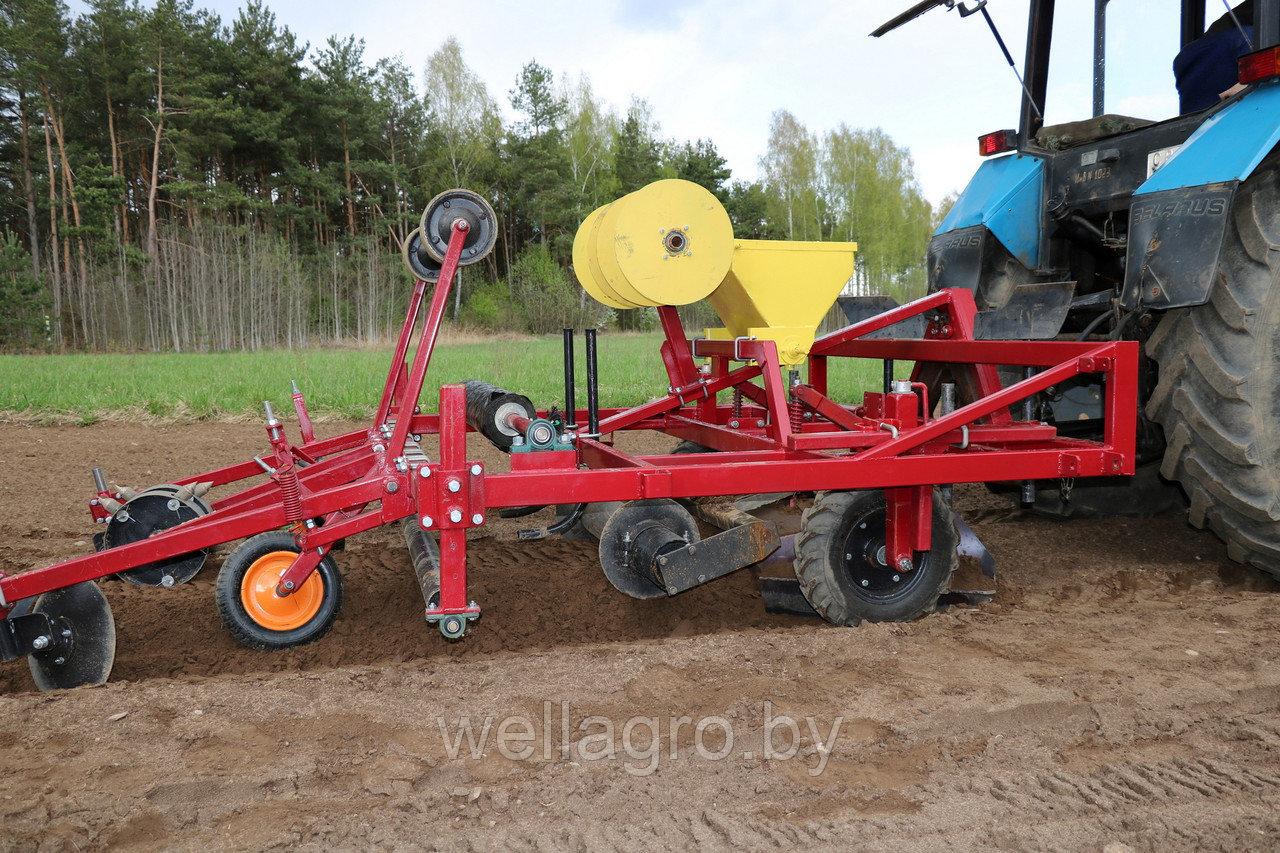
338 383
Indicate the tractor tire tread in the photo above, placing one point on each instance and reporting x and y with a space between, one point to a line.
1217 397
817 573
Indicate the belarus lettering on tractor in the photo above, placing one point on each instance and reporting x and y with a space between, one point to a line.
1162 232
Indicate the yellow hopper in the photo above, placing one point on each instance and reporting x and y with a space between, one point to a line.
779 290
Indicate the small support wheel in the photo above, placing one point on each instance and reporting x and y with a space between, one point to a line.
444 210
417 261
842 568
252 611
82 644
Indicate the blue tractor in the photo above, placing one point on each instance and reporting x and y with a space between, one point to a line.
1165 232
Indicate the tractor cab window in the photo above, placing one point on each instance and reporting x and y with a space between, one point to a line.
1142 40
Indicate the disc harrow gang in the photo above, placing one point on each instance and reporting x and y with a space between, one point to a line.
878 543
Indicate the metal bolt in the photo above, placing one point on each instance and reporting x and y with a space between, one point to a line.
455 515
392 487
904 564
760 424
288 584
41 642
475 470
702 578
477 519
733 424
691 549
378 448
66 632
848 556
895 578
424 472
455 486
173 504
662 561
427 521
166 581
59 660
866 582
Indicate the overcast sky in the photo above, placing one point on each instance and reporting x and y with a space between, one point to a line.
719 68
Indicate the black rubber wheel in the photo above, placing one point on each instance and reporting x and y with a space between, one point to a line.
840 562
84 638
259 618
1218 395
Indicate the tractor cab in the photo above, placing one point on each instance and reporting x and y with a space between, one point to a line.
1125 210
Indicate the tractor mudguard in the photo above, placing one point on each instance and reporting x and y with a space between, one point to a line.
1003 198
1179 216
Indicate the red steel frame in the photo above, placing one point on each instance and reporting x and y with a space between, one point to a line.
771 438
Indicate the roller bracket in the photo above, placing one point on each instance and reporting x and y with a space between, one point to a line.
722 554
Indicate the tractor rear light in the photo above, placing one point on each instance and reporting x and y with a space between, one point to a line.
997 143
1260 65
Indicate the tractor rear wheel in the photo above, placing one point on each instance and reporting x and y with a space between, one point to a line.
841 566
252 611
1218 396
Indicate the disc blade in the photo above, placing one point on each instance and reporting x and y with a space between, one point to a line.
85 638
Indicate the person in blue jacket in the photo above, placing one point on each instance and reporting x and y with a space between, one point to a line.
1205 70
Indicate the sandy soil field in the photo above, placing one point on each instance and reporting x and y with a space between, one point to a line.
1121 692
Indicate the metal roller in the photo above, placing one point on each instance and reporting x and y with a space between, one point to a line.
635 538
425 554
450 206
490 411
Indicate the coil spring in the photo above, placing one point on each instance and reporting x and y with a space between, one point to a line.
796 410
737 403
290 493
